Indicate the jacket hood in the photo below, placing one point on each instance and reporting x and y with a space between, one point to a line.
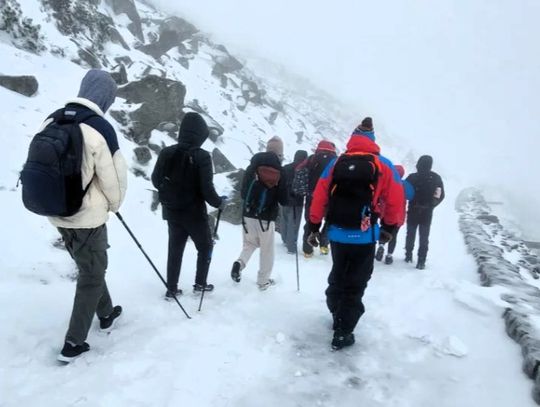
326 145
300 156
362 144
425 163
98 87
193 130
400 170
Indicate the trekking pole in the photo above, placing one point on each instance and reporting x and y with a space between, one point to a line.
215 236
296 251
149 260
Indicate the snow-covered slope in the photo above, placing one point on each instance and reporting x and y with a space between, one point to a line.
432 338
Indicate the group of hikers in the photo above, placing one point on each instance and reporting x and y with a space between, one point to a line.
75 175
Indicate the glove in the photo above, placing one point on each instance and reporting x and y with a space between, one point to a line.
386 233
224 202
314 227
314 239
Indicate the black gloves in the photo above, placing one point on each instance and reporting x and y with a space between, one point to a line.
314 237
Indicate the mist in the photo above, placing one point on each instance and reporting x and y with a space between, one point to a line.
455 79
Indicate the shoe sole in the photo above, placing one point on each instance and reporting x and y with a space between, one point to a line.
109 329
66 359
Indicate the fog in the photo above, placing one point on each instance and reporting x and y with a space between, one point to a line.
457 79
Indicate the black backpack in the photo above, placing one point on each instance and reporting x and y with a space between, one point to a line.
351 193
176 186
260 192
51 177
424 190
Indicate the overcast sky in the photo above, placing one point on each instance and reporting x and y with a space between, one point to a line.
459 79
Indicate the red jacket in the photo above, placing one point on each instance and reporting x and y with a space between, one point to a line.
389 190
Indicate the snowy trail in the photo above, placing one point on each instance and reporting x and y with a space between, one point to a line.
427 338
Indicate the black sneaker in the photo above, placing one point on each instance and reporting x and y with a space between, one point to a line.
421 265
197 288
107 324
408 258
170 294
388 259
71 352
380 253
235 272
342 340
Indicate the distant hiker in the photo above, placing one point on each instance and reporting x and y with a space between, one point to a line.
304 183
183 176
428 193
291 211
79 141
409 193
349 195
262 189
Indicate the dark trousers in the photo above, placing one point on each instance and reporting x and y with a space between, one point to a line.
393 242
199 232
290 225
88 247
306 247
418 219
351 270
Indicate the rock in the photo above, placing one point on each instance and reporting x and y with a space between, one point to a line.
162 101
117 38
252 93
272 119
487 219
119 74
226 64
143 155
88 59
221 163
172 32
299 136
26 85
233 211
129 8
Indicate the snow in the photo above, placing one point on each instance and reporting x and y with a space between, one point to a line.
432 337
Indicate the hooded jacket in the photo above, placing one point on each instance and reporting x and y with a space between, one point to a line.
195 181
388 191
103 168
428 186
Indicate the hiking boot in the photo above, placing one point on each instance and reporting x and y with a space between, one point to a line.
379 253
421 265
408 257
388 259
170 294
71 352
265 286
324 250
235 272
107 324
342 340
197 288
308 255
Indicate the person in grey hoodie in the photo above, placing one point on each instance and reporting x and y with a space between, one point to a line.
104 176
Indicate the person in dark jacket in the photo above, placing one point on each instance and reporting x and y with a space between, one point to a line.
310 171
183 176
263 188
291 212
428 193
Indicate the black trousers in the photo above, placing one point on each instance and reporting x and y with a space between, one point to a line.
351 270
393 242
306 247
418 219
179 231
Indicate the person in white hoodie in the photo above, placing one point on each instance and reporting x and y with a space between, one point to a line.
104 177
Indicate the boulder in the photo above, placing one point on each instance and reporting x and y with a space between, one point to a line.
26 85
233 211
129 8
119 74
142 155
172 32
221 163
226 64
162 101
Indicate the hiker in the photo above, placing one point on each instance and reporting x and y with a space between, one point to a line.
428 193
183 176
305 180
349 195
291 211
262 189
96 187
408 192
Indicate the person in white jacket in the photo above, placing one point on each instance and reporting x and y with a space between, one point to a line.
104 175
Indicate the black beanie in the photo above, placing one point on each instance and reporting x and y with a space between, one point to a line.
367 124
193 129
